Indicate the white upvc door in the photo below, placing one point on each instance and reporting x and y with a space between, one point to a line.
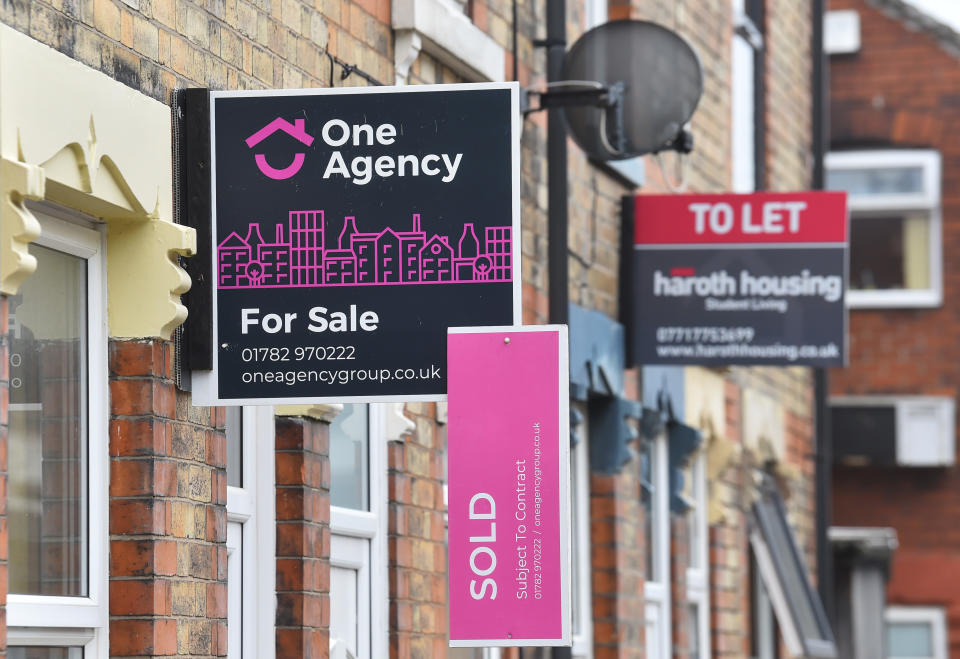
251 535
358 527
657 586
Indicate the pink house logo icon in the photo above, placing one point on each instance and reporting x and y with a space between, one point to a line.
294 130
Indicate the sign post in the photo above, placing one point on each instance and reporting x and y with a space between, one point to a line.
509 472
350 228
755 279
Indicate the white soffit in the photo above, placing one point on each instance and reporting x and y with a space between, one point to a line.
447 34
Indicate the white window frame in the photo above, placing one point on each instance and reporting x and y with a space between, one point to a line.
927 201
347 524
945 412
580 500
253 508
657 592
746 41
933 615
595 12
78 621
441 29
698 578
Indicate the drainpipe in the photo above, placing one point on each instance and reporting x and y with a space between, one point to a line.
557 235
821 389
557 272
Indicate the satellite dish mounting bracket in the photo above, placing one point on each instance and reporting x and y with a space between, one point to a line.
576 94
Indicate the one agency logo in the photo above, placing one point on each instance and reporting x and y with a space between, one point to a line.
363 167
295 130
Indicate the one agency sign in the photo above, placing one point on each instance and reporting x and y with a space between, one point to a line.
509 472
739 279
351 228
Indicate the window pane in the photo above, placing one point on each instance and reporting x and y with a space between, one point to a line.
234 431
40 652
886 180
344 600
890 252
910 639
348 458
48 429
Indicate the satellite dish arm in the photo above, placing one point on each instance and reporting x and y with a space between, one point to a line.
570 93
567 93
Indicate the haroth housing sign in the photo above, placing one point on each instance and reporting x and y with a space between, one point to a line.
739 279
351 227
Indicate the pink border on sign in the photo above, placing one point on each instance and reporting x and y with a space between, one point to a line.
508 452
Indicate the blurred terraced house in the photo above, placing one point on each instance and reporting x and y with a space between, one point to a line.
894 74
134 524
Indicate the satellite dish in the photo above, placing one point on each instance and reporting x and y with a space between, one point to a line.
661 79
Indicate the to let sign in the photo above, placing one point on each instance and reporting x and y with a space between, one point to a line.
350 228
739 279
508 473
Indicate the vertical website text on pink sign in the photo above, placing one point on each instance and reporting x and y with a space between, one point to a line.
509 578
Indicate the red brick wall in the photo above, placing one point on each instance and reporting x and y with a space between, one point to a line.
729 557
168 523
900 90
416 538
618 559
4 420
303 537
680 618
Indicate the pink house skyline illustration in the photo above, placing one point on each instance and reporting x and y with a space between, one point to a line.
299 256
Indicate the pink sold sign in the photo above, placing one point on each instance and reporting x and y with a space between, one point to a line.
509 470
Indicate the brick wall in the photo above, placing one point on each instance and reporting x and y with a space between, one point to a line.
900 91
416 538
680 619
303 537
729 559
618 559
168 525
156 47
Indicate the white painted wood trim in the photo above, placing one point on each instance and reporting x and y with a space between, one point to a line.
448 35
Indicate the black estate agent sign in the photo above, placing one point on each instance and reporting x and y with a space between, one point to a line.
351 228
740 279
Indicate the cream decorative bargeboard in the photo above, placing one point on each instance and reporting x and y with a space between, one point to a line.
74 137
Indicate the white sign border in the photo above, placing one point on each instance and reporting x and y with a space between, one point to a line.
566 521
205 389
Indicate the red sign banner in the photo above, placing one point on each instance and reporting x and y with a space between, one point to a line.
763 217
